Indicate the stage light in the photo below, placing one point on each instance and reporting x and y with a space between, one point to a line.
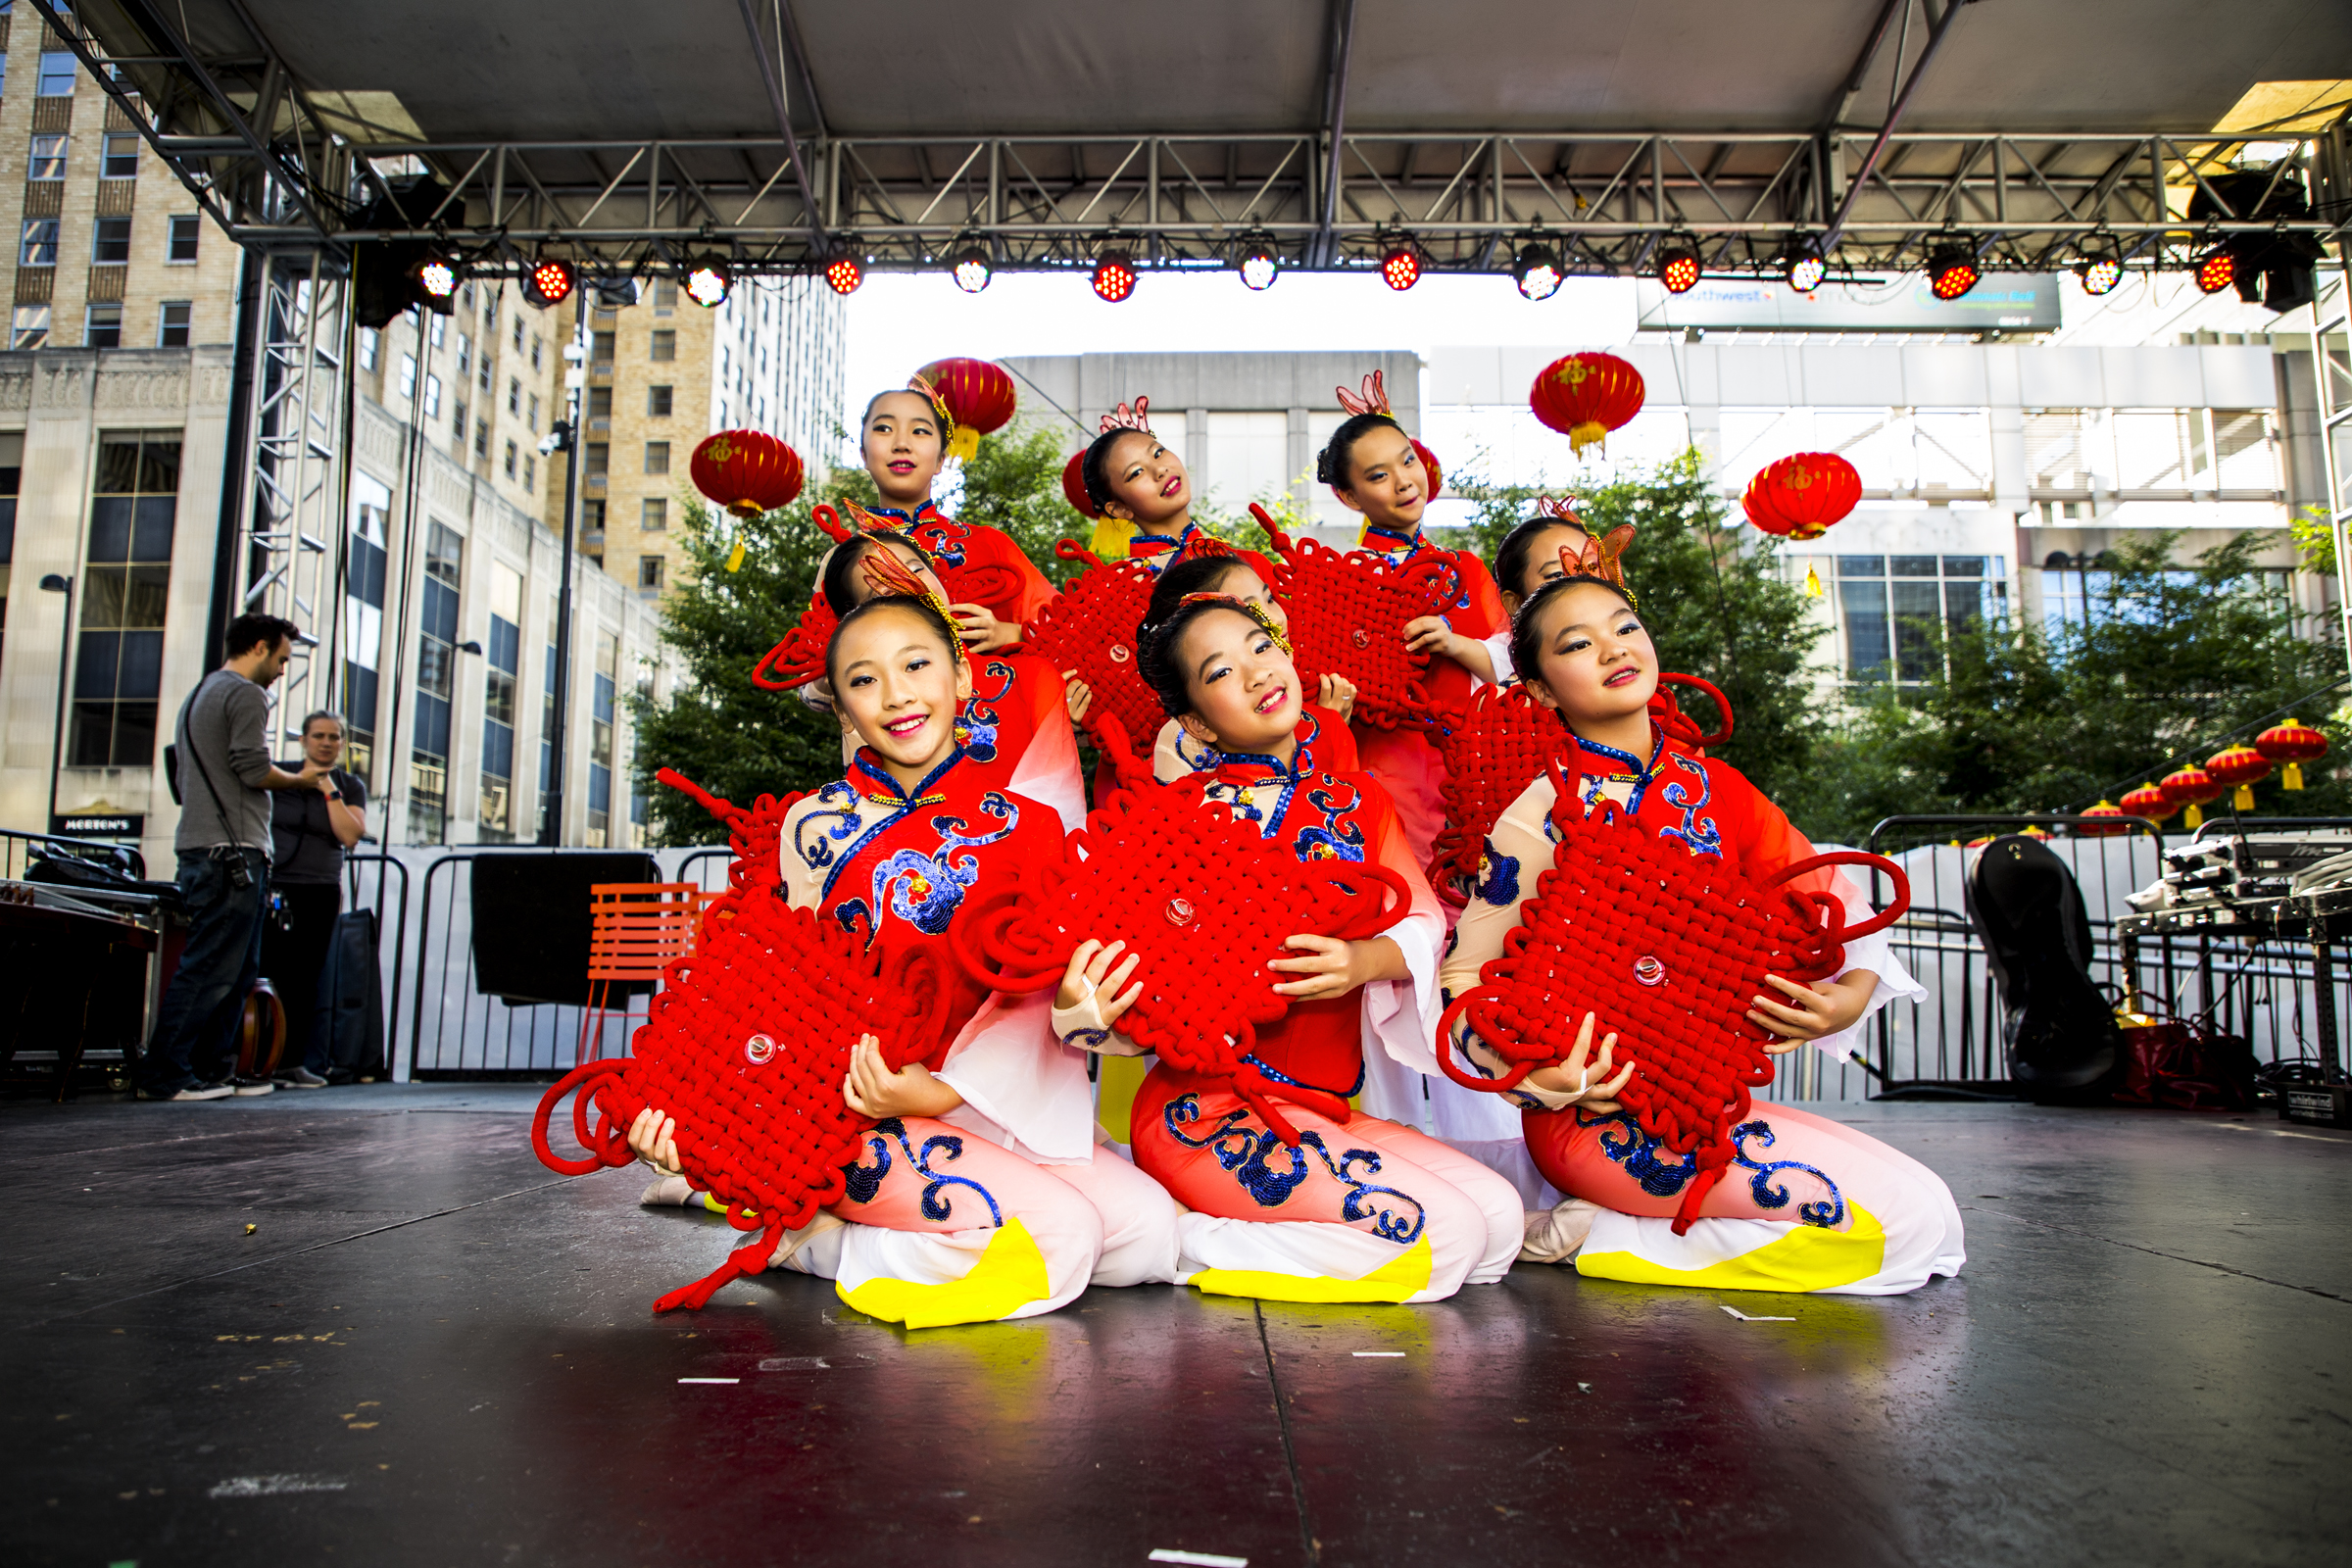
972 271
548 283
843 275
1259 266
1114 276
707 283
1952 272
1537 270
2216 270
1401 267
2098 274
1802 267
436 278
1678 269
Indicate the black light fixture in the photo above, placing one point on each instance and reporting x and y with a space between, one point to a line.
1401 263
435 277
2215 269
1114 276
1953 270
1803 266
972 269
1678 269
549 282
1536 271
708 281
1258 263
2099 271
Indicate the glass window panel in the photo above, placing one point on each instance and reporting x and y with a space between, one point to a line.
110 528
151 529
122 156
47 159
1867 649
1912 566
1917 609
134 734
149 596
109 243
104 594
159 468
93 738
94 664
1964 566
142 664
434 658
39 243
1861 565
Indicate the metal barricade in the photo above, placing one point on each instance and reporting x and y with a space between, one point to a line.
18 849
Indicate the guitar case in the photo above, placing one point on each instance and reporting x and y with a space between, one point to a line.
2057 1026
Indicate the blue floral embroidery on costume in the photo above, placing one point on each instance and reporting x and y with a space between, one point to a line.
1337 837
978 727
1637 1153
942 538
1827 1213
1159 550
865 1182
838 801
1242 1149
1086 1039
1644 773
926 890
1412 545
1498 876
1701 837
1349 1093
842 799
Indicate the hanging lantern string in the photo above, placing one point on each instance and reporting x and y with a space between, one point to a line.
2194 753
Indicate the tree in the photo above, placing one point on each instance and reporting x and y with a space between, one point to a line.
2171 663
1712 599
742 741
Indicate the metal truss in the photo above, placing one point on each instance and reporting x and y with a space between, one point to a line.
281 171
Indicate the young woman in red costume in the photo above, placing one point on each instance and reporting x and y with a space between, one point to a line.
1325 724
905 442
1015 725
1371 466
1361 1209
1809 1204
1143 492
981 1192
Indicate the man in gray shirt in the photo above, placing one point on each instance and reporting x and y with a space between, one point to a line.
225 776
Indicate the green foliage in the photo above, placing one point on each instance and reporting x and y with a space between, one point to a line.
2315 539
740 740
1713 601
2171 661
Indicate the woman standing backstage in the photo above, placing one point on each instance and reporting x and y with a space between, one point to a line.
1362 1210
981 1194
1808 1204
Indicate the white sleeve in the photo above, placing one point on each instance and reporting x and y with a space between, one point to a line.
1499 649
1021 1087
1875 953
1048 772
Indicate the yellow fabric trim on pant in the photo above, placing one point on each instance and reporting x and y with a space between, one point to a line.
1007 1277
1403 1275
1807 1258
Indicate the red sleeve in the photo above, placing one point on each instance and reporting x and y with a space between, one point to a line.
1022 605
1764 841
1484 617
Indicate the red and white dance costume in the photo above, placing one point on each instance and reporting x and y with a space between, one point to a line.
1808 1204
1362 1210
1176 754
962 545
1016 731
1007 1207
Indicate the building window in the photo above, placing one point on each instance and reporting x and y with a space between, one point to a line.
537 343
599 740
47 159
172 323
465 356
437 328
103 327
597 458
666 297
432 399
657 457
371 347
109 243
518 334
120 156
1898 611
531 422
57 74
514 461
483 364
648 574
502 660
126 585
655 516
600 407
530 471
363 618
482 437
28 327
664 346
513 394
39 248
408 375
600 348
436 681
657 402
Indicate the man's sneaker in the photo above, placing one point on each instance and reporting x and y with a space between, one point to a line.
191 1091
299 1078
246 1087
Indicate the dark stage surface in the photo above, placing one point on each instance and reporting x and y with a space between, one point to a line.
433 1351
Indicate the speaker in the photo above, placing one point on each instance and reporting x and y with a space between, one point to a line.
2060 1030
530 923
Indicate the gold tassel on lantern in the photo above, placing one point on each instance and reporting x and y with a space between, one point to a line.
735 555
1813 587
2245 798
962 443
2194 819
2291 777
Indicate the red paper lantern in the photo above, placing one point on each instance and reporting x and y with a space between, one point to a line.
2193 788
1585 395
2112 820
979 397
1802 495
2240 765
749 472
1073 485
1437 476
2149 804
2294 744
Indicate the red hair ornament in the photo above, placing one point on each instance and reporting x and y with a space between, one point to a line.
747 1046
1667 950
1203 898
1347 612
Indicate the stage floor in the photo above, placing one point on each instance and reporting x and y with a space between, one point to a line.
431 1349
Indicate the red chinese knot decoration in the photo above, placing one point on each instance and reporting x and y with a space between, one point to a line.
1800 496
979 395
1348 611
1090 627
1585 395
1667 950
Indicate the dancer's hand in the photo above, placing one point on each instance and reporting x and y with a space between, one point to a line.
1076 696
982 633
1097 971
1331 967
1337 693
1429 634
1585 1076
653 1138
873 1090
1812 1011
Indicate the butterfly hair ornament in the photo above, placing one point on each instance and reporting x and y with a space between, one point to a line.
1126 417
887 575
1371 398
1601 555
939 406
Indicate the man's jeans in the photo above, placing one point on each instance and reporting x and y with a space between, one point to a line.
224 957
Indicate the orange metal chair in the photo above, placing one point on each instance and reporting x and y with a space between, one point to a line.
635 930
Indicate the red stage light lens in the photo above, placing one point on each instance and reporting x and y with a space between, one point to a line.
843 275
1401 269
1115 279
551 283
1678 271
2217 269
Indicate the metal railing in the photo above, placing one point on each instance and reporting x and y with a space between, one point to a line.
18 849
